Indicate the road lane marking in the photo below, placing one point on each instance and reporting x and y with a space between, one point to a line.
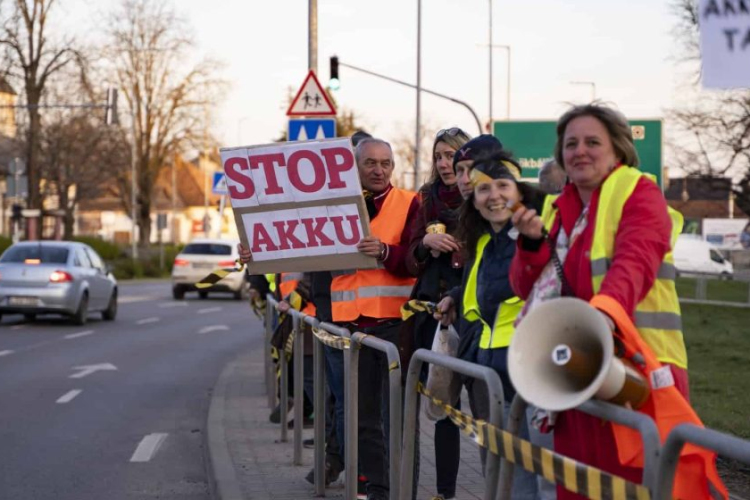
147 321
213 328
209 310
173 304
89 369
136 298
148 447
5 353
17 327
79 334
68 396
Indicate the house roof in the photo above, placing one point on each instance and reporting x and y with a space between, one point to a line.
698 188
5 87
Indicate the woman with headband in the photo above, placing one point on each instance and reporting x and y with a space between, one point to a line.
487 299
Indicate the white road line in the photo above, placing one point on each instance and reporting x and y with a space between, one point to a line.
68 396
166 305
146 321
135 298
17 327
213 328
209 310
148 447
79 334
5 353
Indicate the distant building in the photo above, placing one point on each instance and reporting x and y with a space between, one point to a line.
703 198
8 101
180 194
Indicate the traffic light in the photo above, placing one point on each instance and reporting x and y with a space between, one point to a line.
110 116
16 212
334 82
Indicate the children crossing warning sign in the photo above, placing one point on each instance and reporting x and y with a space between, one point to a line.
311 99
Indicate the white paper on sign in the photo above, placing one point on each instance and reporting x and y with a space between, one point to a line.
268 165
322 170
240 183
347 227
725 45
276 235
318 231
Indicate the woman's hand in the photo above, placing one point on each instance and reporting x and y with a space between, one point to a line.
528 223
246 256
446 311
371 246
440 242
283 306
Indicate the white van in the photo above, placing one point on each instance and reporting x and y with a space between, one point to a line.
692 254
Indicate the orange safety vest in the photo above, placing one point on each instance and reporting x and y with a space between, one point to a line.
288 285
375 293
696 469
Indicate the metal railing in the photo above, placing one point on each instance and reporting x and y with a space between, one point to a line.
411 413
701 294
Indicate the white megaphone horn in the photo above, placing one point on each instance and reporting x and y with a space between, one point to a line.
562 354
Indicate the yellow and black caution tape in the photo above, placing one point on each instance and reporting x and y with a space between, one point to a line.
218 274
414 306
331 340
394 366
574 476
259 308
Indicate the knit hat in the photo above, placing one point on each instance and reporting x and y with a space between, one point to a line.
358 136
484 143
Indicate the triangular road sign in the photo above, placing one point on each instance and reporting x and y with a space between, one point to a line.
311 100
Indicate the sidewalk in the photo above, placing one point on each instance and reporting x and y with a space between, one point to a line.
249 463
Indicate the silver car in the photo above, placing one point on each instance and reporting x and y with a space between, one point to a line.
59 277
198 259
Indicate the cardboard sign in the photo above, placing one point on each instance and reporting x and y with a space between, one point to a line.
725 43
298 205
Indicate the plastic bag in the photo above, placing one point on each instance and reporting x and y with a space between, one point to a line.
443 383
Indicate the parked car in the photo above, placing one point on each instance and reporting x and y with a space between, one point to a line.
59 277
198 259
694 255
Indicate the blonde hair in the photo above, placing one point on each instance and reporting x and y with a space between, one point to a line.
455 141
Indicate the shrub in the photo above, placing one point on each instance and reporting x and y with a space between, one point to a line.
107 250
5 242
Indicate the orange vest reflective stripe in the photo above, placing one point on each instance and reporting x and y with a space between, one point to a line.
696 476
288 284
376 293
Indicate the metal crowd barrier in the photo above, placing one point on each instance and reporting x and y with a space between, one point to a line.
411 413
723 444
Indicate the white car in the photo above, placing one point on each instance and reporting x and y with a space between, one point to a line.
198 259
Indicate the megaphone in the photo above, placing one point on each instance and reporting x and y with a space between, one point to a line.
562 354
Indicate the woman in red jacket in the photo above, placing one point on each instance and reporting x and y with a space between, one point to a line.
611 233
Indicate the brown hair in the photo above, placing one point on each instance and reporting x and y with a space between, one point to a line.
455 141
617 127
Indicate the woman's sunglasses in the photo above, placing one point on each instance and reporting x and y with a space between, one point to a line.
453 132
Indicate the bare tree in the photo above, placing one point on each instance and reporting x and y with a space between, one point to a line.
32 59
403 149
169 103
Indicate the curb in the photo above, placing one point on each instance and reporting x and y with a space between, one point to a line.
221 472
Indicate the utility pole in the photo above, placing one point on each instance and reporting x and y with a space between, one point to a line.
489 50
312 46
419 95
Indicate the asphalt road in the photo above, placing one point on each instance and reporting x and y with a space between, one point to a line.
115 410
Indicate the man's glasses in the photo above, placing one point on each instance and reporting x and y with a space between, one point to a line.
453 132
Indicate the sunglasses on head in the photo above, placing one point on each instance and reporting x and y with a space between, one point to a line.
453 132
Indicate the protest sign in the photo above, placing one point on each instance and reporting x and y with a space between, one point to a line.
725 43
298 205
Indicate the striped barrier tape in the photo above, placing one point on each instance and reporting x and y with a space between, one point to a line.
574 476
218 274
331 340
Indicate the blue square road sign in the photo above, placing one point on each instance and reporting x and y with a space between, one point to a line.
306 129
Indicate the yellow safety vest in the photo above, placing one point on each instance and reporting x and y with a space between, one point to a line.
271 278
502 330
657 316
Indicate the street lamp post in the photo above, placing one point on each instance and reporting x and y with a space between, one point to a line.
593 88
134 185
419 95
489 50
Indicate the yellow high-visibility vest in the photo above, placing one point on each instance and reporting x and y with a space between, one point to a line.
657 316
501 332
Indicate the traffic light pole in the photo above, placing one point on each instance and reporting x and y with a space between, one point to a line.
431 92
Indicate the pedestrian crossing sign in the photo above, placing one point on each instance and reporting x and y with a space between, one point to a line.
311 99
220 183
307 129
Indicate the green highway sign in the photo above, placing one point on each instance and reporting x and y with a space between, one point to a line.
533 142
